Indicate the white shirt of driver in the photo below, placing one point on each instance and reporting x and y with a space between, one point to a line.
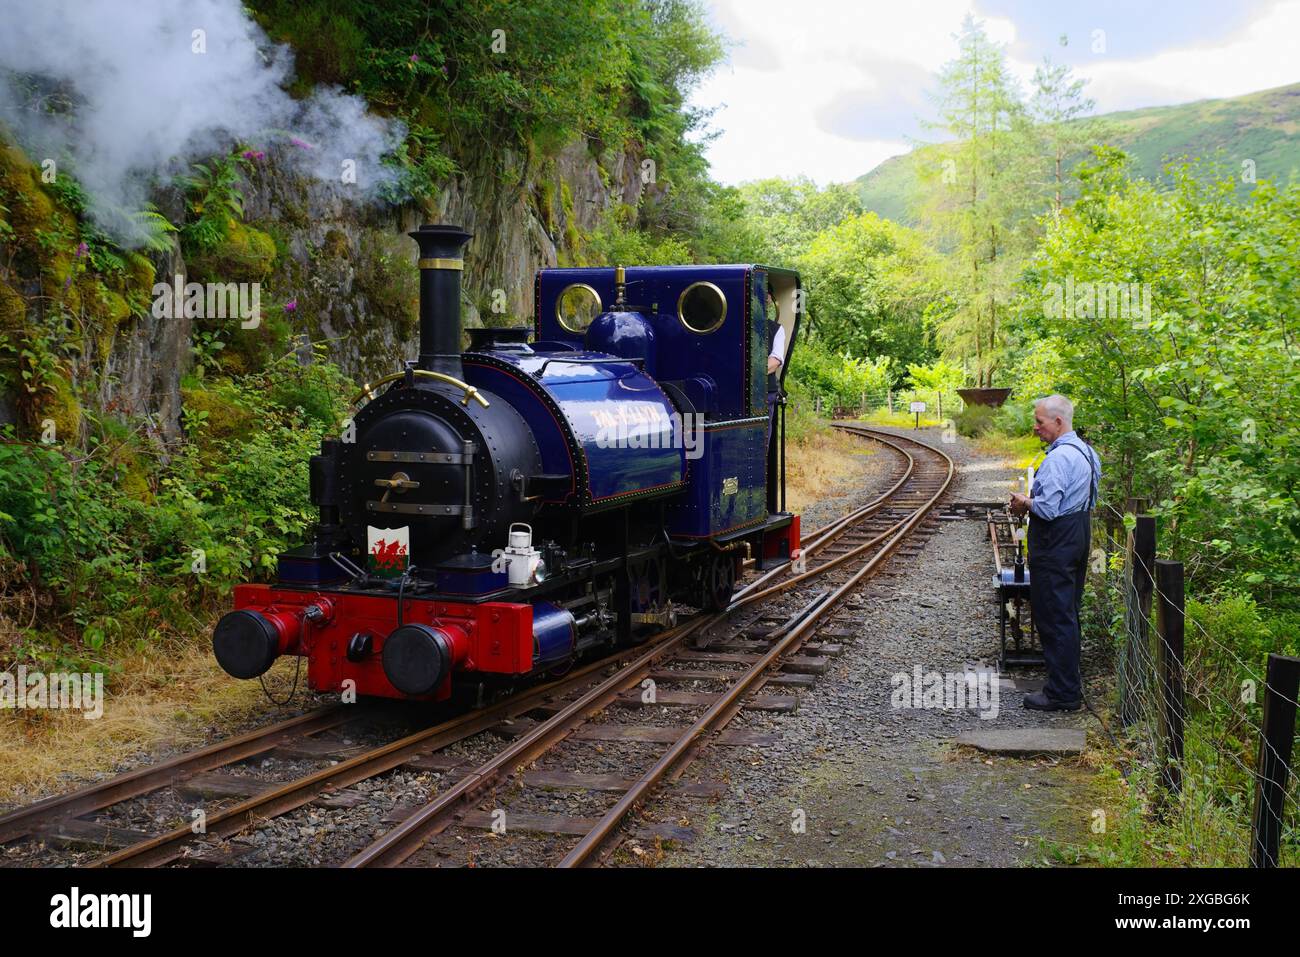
778 345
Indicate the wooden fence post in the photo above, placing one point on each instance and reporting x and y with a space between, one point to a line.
1139 566
1170 622
1273 771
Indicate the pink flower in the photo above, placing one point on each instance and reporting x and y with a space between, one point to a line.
82 249
291 305
301 144
415 58
254 155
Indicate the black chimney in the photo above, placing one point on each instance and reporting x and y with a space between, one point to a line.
441 262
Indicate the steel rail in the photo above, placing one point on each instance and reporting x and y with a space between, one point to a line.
707 721
162 849
170 846
167 847
833 529
403 841
833 525
23 821
408 837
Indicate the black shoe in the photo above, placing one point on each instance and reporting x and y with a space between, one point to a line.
1037 701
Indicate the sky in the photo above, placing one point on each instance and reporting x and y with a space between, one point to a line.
830 88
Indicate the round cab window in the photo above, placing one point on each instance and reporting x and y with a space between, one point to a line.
576 306
702 307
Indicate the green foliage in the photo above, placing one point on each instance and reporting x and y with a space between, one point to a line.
1186 391
111 555
874 289
840 381
472 80
214 200
789 213
614 245
1227 643
1015 418
1252 125
938 377
975 420
976 205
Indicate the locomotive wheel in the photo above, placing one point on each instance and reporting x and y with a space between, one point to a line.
719 582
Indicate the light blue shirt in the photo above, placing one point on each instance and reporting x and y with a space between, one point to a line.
1067 481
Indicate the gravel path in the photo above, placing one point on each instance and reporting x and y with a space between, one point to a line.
856 781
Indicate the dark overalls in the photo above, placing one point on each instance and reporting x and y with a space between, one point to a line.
1058 566
773 386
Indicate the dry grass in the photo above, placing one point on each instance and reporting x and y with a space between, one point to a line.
826 458
154 701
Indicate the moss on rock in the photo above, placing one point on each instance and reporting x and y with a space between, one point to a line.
335 244
13 309
226 417
246 255
58 403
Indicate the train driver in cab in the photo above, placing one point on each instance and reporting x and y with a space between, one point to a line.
775 359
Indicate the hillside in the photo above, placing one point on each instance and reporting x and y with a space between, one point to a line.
1263 126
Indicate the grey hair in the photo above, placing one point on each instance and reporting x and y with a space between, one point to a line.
1057 406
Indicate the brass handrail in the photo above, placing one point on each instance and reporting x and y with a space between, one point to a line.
470 391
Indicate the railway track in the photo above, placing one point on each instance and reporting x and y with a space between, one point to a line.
727 659
870 535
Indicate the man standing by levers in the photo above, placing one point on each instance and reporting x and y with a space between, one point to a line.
1060 506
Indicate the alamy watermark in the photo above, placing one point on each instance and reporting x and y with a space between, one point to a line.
209 300
947 691
642 425
36 690
1097 300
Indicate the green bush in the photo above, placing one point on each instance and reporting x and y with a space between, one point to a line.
975 420
836 379
1015 418
114 558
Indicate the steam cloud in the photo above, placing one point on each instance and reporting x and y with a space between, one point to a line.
115 90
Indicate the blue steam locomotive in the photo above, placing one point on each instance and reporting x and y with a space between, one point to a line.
494 515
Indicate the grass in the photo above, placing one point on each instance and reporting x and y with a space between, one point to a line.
156 701
1142 830
825 458
902 420
1021 451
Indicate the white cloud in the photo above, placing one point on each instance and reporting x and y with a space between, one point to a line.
782 92
1259 57
773 119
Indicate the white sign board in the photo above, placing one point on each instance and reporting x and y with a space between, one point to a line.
917 407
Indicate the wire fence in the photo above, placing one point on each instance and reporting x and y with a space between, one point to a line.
1208 735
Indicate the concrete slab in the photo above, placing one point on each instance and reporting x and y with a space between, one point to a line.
1025 742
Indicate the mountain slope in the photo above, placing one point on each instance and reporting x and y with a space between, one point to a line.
1263 127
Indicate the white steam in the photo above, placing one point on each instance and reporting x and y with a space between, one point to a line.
128 92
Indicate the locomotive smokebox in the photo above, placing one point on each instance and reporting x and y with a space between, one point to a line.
441 263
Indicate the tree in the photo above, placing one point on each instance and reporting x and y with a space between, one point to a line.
791 212
874 289
1058 109
1187 391
976 204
